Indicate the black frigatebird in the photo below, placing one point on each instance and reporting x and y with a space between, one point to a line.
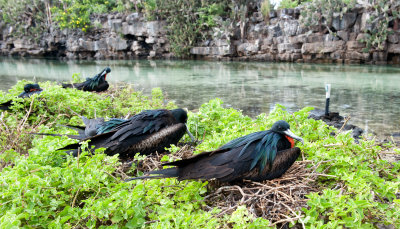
29 89
259 156
146 132
97 83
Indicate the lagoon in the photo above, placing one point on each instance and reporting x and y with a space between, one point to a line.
369 94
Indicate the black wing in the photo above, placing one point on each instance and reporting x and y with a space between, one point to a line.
102 87
136 129
91 86
144 123
78 86
242 157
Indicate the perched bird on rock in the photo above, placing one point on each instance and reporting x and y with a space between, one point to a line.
97 83
146 132
29 89
259 156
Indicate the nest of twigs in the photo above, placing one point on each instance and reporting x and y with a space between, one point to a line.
279 200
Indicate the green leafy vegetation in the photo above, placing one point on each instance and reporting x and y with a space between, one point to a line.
322 12
27 18
288 4
266 9
45 188
384 12
188 21
379 17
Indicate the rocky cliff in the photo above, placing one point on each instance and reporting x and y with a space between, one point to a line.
119 36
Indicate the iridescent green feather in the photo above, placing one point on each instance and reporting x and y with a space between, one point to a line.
109 125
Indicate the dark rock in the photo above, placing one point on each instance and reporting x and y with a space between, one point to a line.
379 56
274 30
133 17
337 55
357 24
394 48
354 55
334 119
365 24
290 27
330 37
361 37
344 35
272 14
322 47
355 45
261 28
288 47
313 37
393 38
246 49
298 39
345 22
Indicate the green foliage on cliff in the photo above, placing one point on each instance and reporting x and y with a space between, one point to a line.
46 189
288 4
76 14
380 14
28 18
266 9
188 21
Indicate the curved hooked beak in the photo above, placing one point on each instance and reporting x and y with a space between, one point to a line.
190 134
104 73
292 135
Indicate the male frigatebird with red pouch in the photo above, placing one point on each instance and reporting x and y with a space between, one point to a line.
29 89
259 156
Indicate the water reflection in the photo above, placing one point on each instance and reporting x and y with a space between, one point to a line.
370 94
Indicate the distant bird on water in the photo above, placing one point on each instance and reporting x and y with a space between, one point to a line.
29 89
97 83
146 132
259 156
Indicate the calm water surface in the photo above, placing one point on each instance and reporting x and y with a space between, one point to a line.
370 94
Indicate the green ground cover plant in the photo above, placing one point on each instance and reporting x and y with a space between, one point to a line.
44 188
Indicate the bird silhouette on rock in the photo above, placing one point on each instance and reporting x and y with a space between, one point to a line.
259 156
29 89
147 132
97 83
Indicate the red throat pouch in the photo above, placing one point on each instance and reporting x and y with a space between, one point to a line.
290 140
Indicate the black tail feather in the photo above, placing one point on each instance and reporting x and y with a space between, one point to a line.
67 85
6 105
59 135
164 173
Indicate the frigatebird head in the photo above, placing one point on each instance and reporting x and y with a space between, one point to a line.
282 127
32 87
181 116
105 72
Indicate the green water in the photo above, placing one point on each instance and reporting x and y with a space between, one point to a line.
370 94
